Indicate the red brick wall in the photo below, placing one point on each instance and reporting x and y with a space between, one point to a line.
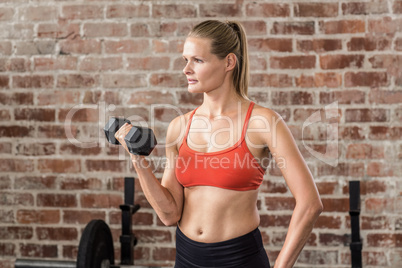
65 67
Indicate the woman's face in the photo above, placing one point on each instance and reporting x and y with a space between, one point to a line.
204 71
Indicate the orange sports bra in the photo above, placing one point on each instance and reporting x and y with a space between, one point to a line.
234 168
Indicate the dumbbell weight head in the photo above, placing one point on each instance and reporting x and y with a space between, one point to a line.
140 140
112 127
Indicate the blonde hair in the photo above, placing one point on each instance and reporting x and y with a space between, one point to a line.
228 37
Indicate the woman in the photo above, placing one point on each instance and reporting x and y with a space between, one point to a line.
217 158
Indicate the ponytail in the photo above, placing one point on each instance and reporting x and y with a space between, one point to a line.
228 37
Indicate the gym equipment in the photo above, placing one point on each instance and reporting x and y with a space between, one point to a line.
139 140
354 211
96 249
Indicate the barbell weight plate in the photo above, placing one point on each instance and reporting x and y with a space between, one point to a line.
96 245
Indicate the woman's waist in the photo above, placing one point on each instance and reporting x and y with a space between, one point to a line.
218 226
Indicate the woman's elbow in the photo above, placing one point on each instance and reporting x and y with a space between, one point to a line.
170 220
317 208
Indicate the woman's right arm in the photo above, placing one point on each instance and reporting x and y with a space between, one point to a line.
166 197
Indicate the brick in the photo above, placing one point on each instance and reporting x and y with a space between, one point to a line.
100 200
35 48
318 257
58 30
327 188
254 27
219 10
6 14
38 13
35 182
4 81
360 8
378 169
35 114
105 165
105 29
5 115
128 11
82 216
397 7
301 98
140 30
343 97
398 44
57 234
58 97
385 133
342 169
77 81
280 203
384 240
316 9
79 115
127 46
153 236
17 98
5 48
151 97
293 62
319 45
18 31
385 25
374 187
15 65
82 12
79 46
16 165
369 43
385 96
342 27
366 115
330 80
148 63
294 28
267 10
7 249
168 80
41 217
334 240
56 200
7 216
101 64
59 63
351 133
124 80
34 149
80 184
341 61
375 223
364 151
38 251
33 81
275 220
54 131
59 165
379 205
366 79
175 11
5 148
270 44
193 99
15 232
15 199
72 149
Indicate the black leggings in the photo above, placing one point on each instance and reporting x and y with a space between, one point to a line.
241 252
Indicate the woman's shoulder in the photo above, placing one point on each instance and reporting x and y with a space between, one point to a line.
265 113
177 127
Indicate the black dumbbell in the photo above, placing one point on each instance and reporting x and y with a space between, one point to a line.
139 140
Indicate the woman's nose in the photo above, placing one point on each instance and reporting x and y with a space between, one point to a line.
187 69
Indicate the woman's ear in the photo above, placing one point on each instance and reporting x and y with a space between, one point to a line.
230 61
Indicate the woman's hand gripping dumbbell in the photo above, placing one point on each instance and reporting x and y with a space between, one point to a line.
138 140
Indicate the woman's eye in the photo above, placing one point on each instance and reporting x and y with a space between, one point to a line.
198 60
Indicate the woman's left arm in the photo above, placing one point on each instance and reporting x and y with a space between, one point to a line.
301 184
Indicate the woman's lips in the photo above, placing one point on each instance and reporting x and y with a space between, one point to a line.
192 81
